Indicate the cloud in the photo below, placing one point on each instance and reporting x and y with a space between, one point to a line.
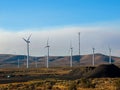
59 40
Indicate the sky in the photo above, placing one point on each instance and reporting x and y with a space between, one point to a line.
60 21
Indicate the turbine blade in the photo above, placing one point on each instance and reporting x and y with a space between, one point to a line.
24 39
47 42
29 37
110 49
70 44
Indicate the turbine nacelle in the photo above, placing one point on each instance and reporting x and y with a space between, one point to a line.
47 46
27 41
109 49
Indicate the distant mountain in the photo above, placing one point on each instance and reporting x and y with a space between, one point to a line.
8 60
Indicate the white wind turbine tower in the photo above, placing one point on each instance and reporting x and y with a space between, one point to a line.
110 56
28 42
71 54
47 53
93 58
79 42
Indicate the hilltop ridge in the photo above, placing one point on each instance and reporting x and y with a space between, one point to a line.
55 61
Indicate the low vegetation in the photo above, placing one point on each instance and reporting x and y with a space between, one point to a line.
79 84
59 78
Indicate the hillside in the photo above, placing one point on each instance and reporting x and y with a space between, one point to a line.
55 61
104 71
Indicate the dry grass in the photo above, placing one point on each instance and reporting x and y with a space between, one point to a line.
100 84
54 83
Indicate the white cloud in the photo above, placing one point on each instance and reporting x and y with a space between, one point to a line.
59 39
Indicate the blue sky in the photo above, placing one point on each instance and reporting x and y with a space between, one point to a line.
60 20
23 14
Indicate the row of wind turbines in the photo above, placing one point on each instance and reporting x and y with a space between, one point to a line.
28 42
71 52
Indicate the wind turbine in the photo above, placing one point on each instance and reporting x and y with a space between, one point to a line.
93 58
110 56
79 42
36 62
71 54
47 46
18 63
27 42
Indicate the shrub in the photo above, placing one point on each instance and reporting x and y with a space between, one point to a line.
48 86
72 86
86 83
117 84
